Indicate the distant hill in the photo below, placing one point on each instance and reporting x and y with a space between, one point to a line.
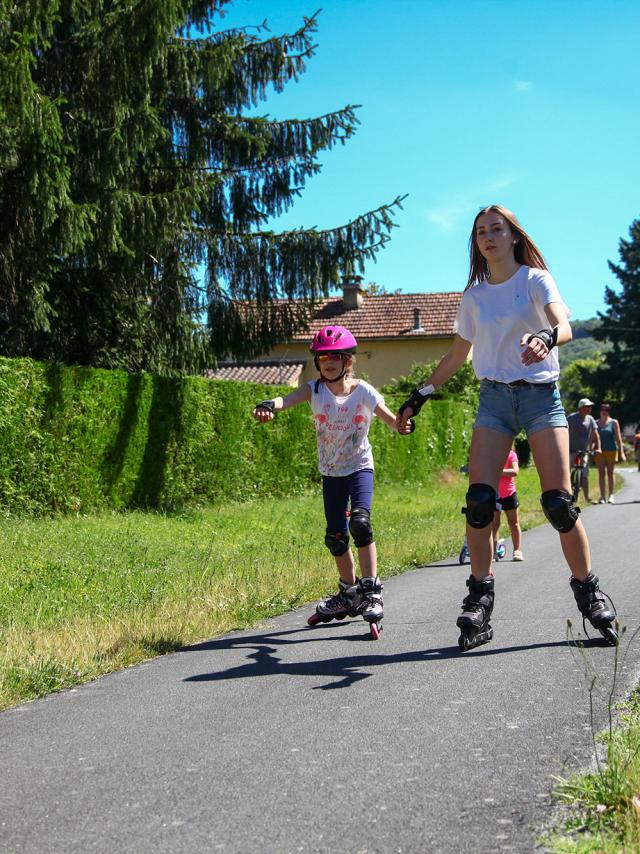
584 345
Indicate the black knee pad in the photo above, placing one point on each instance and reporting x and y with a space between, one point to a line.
337 543
559 509
481 505
360 527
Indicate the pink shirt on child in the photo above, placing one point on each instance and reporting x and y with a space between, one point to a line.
507 485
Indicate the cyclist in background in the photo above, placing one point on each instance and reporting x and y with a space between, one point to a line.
583 437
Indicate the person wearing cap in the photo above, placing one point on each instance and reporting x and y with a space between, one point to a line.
612 451
343 409
583 437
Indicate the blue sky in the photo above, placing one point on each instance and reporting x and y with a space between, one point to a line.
534 105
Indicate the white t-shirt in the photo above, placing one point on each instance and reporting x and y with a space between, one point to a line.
495 317
342 428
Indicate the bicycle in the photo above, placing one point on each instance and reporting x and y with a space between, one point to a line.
579 466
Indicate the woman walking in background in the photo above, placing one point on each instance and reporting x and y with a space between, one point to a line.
612 451
514 317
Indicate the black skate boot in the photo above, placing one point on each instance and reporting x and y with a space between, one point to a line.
347 602
593 607
372 604
476 610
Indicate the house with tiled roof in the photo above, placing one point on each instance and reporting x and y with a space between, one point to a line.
263 372
393 332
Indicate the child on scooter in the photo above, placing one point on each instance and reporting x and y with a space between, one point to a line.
508 501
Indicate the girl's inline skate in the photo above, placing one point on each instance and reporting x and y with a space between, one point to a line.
593 607
364 597
347 602
477 606
372 605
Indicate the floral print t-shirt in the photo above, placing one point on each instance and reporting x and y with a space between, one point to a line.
342 428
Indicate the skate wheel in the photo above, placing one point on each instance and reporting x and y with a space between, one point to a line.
464 643
340 616
375 630
462 557
610 635
314 619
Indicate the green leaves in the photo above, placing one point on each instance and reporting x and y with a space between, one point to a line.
136 192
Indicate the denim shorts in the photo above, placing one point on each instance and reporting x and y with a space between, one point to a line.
509 408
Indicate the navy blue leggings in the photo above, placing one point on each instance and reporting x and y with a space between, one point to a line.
355 490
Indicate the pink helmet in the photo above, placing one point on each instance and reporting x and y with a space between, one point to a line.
333 339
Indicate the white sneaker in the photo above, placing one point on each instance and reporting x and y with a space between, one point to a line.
612 499
601 500
517 555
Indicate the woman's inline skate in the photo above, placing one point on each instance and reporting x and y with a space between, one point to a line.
364 597
593 607
477 606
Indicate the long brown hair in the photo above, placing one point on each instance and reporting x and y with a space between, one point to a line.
525 251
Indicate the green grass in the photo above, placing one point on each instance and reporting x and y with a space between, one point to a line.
84 595
81 596
605 804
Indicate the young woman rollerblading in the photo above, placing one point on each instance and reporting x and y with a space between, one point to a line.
514 317
343 408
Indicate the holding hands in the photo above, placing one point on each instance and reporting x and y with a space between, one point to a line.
412 406
264 411
405 427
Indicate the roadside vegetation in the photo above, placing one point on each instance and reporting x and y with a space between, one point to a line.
81 596
84 595
604 805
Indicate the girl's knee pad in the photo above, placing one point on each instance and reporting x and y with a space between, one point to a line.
338 543
360 527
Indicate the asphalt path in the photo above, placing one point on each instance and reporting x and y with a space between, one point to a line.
287 738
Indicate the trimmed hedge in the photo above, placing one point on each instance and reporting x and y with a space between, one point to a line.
76 439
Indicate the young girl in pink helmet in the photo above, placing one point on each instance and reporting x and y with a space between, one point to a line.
343 408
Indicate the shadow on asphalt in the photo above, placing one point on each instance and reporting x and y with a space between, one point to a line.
346 670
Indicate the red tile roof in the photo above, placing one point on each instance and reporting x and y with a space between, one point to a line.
390 316
263 373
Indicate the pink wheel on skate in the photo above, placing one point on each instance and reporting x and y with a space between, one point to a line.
375 630
314 619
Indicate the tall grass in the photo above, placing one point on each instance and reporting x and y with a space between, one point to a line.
84 595
605 803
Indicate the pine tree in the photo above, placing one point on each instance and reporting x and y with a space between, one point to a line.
621 326
130 160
